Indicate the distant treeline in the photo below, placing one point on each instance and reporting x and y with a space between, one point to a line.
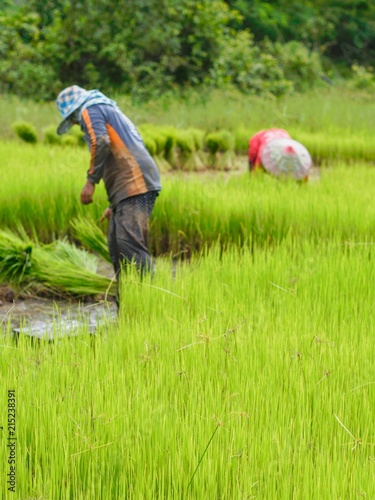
148 47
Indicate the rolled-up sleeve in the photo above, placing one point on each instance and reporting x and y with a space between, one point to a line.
94 126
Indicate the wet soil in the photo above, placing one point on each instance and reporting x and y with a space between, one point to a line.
46 318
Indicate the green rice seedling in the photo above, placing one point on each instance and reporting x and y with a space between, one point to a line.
60 267
150 144
15 258
234 375
78 134
198 136
51 136
87 232
185 146
198 159
169 145
69 140
41 188
160 138
64 251
244 209
220 145
64 269
25 131
241 138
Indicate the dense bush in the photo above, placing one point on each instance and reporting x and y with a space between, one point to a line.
364 78
46 45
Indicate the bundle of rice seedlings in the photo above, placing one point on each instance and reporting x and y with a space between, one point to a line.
87 232
69 140
15 258
185 145
150 133
148 140
241 140
77 133
61 274
64 268
25 131
199 157
220 145
60 267
170 145
160 141
51 136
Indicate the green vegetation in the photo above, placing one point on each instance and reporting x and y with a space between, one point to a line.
159 46
333 112
58 269
244 367
26 131
41 187
333 127
254 369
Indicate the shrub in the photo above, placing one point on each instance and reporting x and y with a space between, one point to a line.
245 66
363 78
25 131
300 65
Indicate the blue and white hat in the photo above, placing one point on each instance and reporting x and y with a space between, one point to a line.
68 101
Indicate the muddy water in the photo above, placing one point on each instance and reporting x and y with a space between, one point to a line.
46 319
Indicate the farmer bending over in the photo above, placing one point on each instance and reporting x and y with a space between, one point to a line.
274 151
120 158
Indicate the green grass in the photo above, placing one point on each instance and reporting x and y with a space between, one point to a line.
245 371
41 187
334 124
248 374
324 110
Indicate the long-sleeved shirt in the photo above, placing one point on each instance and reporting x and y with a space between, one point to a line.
118 154
259 140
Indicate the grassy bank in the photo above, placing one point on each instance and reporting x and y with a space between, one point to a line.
325 110
334 124
245 375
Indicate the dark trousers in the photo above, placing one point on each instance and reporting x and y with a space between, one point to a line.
128 232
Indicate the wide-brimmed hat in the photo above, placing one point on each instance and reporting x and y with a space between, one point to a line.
286 158
68 101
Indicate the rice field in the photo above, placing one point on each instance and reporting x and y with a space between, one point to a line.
41 186
242 369
238 375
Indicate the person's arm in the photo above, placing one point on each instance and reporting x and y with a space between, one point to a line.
106 214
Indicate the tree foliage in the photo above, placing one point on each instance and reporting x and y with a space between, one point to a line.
146 47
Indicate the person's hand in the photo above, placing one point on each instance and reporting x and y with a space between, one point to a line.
106 214
87 192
